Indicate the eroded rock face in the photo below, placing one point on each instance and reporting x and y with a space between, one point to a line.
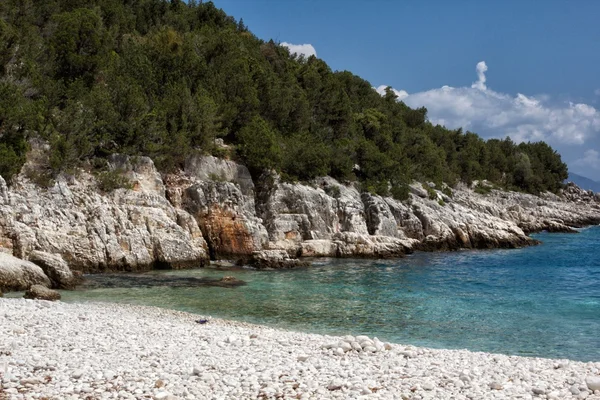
93 231
210 168
226 217
17 274
213 208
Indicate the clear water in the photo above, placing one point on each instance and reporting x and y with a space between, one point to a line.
539 301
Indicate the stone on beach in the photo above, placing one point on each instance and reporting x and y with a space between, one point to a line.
593 382
39 292
17 274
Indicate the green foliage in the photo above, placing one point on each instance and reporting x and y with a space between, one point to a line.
431 193
217 177
447 191
11 161
400 192
483 189
333 191
305 157
112 180
166 79
259 145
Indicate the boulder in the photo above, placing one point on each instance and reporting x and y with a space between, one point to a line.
17 274
39 292
593 382
230 282
55 268
275 259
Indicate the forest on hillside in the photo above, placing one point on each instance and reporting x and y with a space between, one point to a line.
166 78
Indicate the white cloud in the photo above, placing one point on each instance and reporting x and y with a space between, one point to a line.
494 114
481 68
306 50
402 94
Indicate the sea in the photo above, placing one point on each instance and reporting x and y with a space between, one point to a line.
540 301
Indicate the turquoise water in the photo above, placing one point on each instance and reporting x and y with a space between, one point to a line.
538 301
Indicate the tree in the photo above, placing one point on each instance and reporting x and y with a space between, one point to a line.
258 145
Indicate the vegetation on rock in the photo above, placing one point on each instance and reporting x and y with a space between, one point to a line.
167 78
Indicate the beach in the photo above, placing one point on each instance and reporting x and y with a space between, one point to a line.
56 350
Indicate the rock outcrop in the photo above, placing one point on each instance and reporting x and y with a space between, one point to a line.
275 259
126 229
17 274
213 209
55 268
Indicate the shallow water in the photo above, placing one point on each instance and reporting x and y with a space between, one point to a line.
538 301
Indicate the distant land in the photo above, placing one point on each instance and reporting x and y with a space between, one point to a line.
583 182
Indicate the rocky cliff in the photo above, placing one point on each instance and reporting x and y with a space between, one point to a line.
213 209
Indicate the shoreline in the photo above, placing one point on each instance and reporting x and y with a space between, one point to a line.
107 350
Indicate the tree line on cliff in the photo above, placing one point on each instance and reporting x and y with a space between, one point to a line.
166 78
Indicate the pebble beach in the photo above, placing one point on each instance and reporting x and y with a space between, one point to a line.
55 350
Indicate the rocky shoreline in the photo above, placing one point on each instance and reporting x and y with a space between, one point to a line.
213 210
75 351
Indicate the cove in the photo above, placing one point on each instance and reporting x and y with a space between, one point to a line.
541 301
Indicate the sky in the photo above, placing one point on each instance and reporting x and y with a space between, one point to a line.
524 69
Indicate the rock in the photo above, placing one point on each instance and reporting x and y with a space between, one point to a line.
345 346
593 382
275 259
230 281
16 274
338 351
574 390
335 384
210 168
496 386
3 191
164 396
539 390
214 210
55 268
77 374
428 385
40 292
227 218
95 231
139 171
302 357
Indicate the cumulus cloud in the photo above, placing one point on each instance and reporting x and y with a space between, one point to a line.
571 128
306 50
494 114
481 68
402 94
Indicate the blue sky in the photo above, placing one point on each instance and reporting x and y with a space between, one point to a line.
527 69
